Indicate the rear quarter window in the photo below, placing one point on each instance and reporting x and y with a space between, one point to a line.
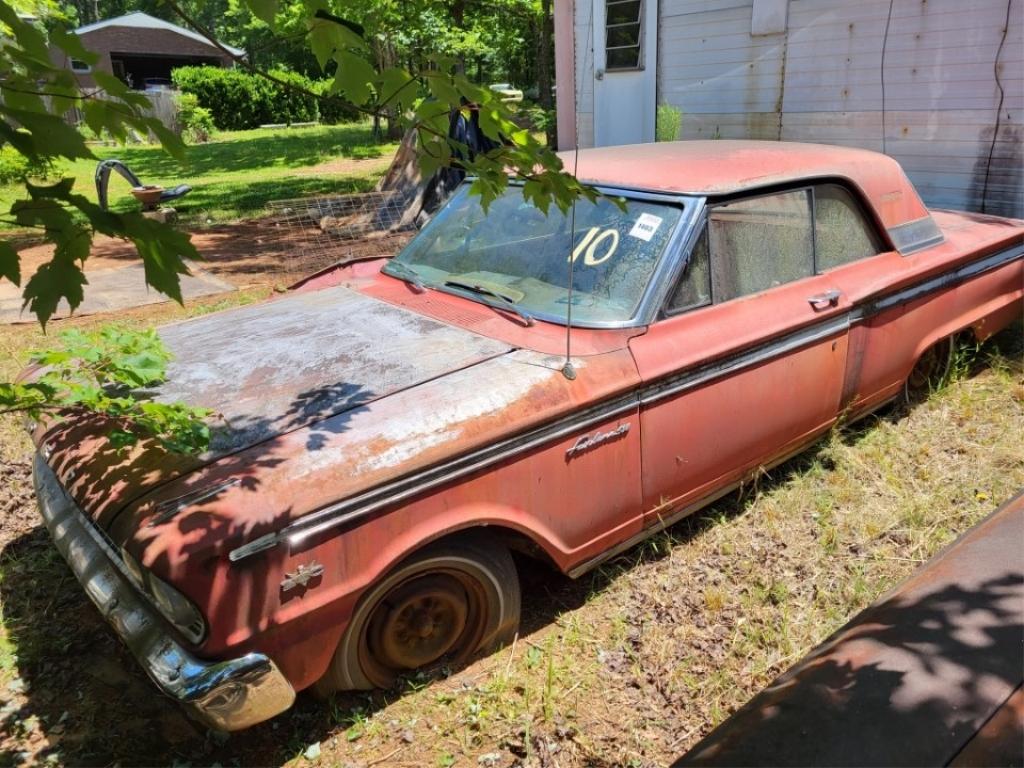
842 233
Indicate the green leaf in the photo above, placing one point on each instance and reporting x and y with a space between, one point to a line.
264 10
28 37
10 263
51 136
392 87
52 282
163 250
169 140
353 77
442 89
72 45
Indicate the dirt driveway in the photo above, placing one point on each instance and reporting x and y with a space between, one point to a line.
246 254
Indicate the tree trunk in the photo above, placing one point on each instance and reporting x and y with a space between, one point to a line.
459 21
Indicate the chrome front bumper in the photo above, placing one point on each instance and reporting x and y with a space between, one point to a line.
225 695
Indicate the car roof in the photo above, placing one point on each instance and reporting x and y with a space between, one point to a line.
725 167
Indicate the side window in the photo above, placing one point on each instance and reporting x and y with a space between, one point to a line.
841 232
694 289
760 243
623 23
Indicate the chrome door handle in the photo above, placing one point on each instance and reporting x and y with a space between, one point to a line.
827 299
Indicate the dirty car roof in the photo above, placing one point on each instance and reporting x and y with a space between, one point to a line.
723 167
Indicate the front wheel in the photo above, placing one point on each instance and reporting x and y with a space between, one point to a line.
449 601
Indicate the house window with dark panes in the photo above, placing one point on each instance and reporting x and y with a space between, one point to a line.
623 34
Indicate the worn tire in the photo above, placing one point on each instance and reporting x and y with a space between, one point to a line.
930 371
448 602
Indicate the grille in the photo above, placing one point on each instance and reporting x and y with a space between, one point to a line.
194 631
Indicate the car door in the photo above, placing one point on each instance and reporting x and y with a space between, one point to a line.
747 365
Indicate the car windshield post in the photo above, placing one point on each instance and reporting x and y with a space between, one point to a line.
520 256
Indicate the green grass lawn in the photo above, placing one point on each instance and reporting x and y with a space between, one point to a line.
236 174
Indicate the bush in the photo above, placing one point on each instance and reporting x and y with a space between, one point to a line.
238 100
15 167
668 121
194 121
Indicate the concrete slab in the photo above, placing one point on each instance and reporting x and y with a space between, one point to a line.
113 289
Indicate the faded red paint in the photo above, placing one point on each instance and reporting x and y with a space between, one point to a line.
691 445
726 167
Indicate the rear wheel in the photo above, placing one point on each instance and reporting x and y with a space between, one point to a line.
447 602
930 372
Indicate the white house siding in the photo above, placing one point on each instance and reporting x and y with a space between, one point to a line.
821 81
583 10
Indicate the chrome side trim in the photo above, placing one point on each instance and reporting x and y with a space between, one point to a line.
226 695
169 509
939 282
404 488
360 506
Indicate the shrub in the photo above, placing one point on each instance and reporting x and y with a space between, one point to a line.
668 122
194 121
15 167
238 100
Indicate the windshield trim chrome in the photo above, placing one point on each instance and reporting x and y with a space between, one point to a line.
647 308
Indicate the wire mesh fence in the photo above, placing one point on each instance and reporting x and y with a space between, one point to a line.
318 232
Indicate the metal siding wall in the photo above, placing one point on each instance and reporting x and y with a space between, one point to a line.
584 73
821 81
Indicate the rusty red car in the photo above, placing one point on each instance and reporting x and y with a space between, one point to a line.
394 429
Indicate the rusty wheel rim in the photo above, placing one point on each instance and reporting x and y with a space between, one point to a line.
419 622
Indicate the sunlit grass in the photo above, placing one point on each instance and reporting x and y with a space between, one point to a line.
238 172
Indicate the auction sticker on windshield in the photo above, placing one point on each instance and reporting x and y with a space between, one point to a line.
645 227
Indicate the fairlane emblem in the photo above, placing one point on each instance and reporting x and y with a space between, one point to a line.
586 442
301 576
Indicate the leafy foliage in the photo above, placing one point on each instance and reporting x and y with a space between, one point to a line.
105 372
353 43
35 93
238 100
15 167
668 122
194 122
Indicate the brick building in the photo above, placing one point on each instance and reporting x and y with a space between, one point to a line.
138 48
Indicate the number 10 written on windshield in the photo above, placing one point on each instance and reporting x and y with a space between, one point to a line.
596 247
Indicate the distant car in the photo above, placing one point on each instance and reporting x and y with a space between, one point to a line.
391 430
156 84
507 91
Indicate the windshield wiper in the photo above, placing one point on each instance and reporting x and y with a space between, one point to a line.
483 290
405 274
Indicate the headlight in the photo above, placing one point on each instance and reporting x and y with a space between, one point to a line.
173 605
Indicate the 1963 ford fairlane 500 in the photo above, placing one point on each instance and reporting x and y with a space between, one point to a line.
395 428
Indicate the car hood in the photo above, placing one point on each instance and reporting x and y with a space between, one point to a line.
266 369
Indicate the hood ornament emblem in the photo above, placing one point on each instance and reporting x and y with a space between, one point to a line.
301 576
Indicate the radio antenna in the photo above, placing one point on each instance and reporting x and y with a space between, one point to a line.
567 369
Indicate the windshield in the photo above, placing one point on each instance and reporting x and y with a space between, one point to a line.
519 256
